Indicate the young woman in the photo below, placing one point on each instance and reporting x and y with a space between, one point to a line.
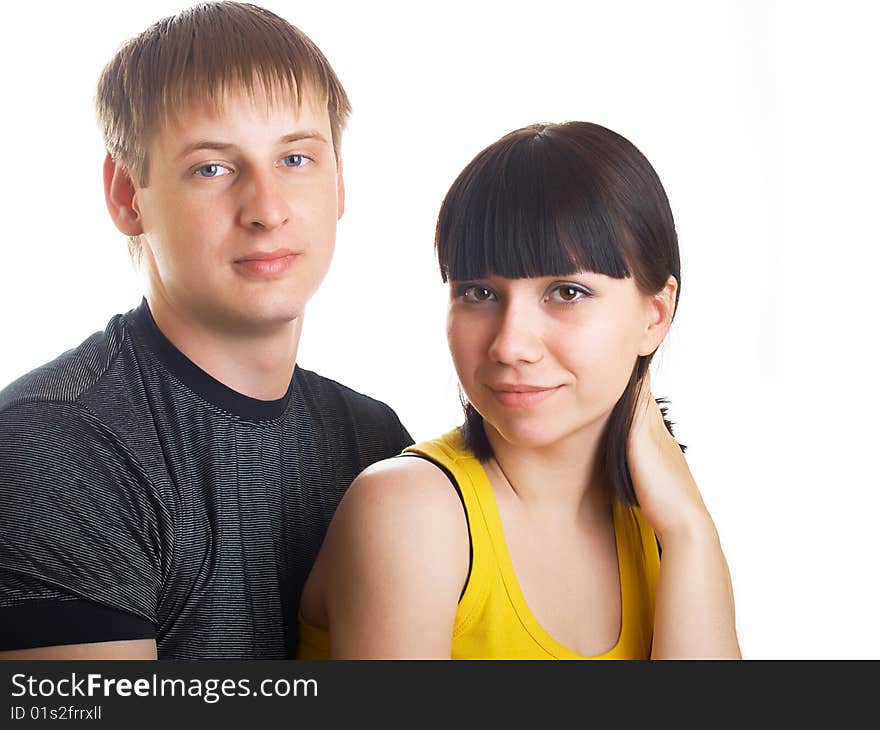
535 530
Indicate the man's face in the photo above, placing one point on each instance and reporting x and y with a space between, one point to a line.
239 215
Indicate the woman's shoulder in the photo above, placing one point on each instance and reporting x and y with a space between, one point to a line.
395 519
409 502
404 484
419 484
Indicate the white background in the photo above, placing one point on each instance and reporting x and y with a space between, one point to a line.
760 120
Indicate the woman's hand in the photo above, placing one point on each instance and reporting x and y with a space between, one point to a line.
667 493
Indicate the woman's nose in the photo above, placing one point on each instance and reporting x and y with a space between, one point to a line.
518 337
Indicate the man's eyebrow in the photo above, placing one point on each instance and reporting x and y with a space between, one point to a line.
305 134
207 144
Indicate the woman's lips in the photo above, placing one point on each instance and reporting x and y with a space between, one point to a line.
522 396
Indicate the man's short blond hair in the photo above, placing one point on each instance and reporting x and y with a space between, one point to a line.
197 56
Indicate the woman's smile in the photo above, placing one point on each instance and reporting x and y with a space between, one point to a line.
521 396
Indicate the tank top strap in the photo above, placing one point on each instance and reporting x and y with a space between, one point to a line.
450 453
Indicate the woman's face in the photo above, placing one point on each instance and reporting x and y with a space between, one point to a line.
543 359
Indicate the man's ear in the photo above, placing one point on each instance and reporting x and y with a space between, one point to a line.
340 191
660 309
119 195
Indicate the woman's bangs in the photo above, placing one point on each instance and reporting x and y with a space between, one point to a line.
526 213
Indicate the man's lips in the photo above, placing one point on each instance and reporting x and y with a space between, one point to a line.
278 253
266 264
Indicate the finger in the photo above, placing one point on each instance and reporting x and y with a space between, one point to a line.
645 396
649 397
643 401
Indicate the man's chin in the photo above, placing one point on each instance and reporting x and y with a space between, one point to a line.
256 320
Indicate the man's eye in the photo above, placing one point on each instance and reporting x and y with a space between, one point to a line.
295 161
477 294
568 294
212 170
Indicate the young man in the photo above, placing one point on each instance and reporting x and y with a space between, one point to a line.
166 485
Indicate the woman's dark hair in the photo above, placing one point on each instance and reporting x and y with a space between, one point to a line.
551 200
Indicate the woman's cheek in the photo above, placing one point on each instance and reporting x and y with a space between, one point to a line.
605 367
464 348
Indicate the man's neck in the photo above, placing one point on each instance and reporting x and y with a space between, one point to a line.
258 365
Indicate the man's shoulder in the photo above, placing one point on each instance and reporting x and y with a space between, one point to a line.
53 419
73 373
369 426
324 391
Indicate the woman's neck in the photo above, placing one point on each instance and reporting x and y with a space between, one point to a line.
557 483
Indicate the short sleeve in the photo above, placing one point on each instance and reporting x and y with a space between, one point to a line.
397 433
80 520
33 614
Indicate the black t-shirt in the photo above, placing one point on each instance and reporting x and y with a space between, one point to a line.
140 497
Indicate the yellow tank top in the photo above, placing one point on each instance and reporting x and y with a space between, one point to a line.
493 620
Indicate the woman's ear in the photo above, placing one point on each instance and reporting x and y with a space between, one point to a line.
119 194
660 310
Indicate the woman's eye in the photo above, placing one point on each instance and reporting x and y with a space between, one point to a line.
568 294
295 160
477 294
212 170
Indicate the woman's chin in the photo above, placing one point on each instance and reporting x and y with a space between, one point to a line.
526 433
535 433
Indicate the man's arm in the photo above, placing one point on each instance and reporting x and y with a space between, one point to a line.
134 649
60 626
81 550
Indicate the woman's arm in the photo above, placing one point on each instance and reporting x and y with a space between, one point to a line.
395 561
694 613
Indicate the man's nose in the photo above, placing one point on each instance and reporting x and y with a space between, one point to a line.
265 205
